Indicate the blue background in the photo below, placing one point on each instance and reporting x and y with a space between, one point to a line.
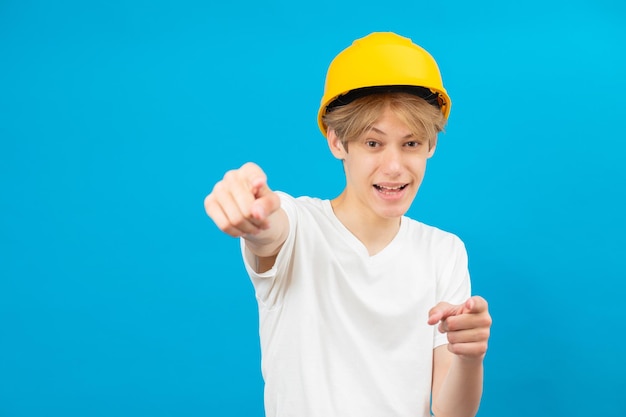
119 297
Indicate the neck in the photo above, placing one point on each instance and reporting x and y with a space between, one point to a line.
373 231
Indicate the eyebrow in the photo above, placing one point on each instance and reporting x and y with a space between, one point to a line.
410 135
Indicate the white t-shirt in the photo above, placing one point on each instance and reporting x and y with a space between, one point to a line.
344 333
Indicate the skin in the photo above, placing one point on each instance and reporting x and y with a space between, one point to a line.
384 170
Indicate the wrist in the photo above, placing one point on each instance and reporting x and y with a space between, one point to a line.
468 362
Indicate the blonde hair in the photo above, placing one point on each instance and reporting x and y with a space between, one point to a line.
353 120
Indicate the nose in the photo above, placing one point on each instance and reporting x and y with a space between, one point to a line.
392 161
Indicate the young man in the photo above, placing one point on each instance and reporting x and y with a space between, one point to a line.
363 311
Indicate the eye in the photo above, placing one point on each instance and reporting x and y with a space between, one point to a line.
413 144
371 143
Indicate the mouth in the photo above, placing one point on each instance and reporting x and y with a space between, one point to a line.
390 190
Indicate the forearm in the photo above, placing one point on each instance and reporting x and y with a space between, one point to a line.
461 389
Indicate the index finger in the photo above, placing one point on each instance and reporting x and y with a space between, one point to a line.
442 311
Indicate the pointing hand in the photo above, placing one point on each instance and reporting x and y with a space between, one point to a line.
467 326
241 203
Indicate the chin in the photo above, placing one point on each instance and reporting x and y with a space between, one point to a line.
393 212
396 209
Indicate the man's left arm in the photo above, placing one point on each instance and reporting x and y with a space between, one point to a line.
458 366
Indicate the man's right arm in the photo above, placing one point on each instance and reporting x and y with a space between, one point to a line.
242 205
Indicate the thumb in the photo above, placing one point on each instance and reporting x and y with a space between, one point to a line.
258 186
266 201
475 305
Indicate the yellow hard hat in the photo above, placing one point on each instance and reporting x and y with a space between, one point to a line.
382 61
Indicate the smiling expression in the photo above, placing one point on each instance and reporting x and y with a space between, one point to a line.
384 168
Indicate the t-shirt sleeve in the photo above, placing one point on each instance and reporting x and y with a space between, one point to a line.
453 284
267 284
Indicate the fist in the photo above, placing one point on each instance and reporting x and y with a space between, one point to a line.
467 326
241 203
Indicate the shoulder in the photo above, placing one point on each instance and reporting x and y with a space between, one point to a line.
293 205
432 236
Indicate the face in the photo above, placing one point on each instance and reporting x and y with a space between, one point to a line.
384 168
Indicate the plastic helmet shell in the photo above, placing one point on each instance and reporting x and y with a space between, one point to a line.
382 59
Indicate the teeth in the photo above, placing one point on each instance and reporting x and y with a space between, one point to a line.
382 187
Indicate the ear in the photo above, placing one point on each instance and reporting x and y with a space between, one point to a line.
335 145
433 146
